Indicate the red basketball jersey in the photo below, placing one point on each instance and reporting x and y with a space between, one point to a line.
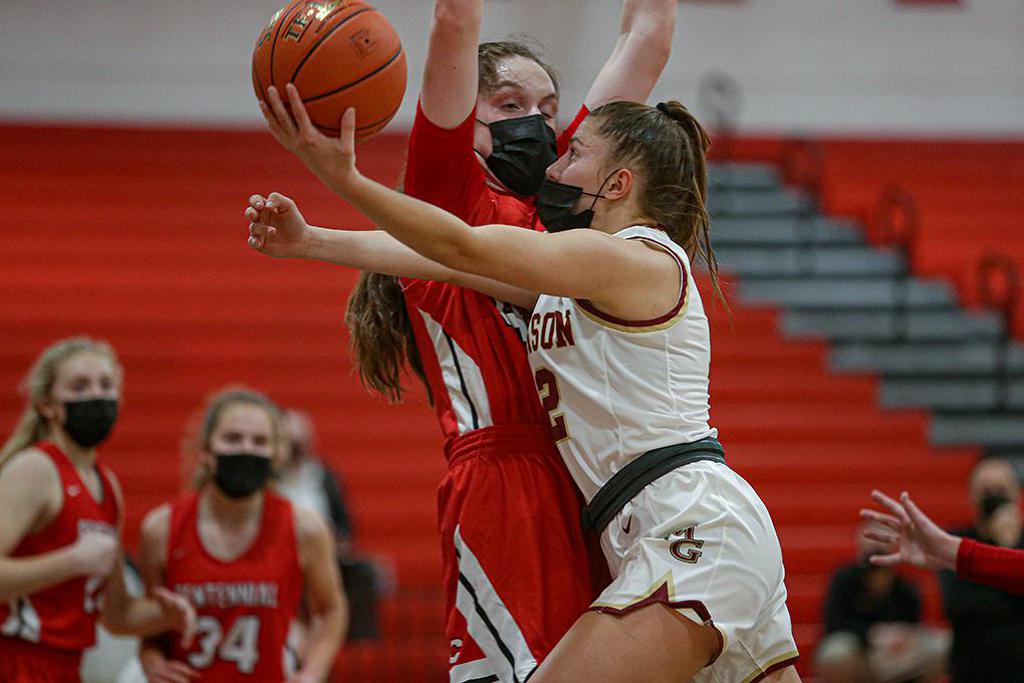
472 345
64 616
244 607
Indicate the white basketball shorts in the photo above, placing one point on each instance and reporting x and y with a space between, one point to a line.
700 540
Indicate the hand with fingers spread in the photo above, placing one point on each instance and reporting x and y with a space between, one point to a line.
332 160
910 535
276 228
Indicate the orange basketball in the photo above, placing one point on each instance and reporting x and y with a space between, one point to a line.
339 54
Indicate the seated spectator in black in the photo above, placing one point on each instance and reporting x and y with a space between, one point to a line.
872 628
988 624
306 480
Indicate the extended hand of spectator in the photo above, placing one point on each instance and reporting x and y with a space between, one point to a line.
909 535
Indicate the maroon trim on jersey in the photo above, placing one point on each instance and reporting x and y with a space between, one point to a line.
775 667
661 596
589 307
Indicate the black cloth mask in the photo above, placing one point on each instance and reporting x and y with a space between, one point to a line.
88 423
240 475
521 151
556 203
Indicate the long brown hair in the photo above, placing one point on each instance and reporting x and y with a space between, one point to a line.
668 146
380 333
380 336
38 386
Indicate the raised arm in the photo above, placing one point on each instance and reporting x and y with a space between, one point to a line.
640 54
450 75
277 229
562 264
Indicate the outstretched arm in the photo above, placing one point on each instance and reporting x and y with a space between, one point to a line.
640 54
276 228
450 74
911 536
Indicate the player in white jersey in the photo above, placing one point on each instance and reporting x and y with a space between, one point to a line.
620 346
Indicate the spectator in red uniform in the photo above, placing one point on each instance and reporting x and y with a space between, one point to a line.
61 566
245 557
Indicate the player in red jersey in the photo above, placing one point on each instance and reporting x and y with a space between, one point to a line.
244 557
516 574
60 555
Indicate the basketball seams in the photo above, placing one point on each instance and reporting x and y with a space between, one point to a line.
277 33
380 86
359 80
324 37
381 122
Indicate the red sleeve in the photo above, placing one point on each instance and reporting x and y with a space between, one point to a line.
570 130
442 167
1001 568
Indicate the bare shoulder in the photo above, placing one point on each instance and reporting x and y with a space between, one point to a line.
156 524
309 526
312 534
154 533
30 496
29 469
153 540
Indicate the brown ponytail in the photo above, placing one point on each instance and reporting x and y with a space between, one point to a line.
380 335
668 146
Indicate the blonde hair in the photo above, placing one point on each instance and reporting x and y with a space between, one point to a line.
38 386
202 427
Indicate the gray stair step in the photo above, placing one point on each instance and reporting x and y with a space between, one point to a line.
742 202
831 261
779 231
743 176
846 293
968 430
917 359
949 325
951 394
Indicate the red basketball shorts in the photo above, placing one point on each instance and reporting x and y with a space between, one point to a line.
517 570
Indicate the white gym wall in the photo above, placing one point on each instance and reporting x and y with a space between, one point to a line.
858 66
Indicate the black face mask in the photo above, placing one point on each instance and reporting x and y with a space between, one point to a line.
242 474
521 151
557 201
88 423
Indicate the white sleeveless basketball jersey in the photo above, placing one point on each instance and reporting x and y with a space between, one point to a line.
616 388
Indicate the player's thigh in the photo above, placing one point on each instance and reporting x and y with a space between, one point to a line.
653 644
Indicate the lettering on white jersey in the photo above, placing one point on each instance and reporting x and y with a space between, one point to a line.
551 329
228 594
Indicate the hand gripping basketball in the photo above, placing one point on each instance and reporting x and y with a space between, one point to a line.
332 160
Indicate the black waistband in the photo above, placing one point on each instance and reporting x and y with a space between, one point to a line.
632 478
